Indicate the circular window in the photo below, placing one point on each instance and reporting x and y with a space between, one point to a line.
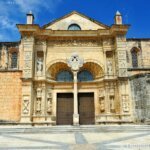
74 27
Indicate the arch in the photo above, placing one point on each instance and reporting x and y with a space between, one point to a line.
54 62
94 61
135 49
74 27
95 69
92 66
85 75
55 68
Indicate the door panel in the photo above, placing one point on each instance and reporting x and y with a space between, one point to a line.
86 108
64 109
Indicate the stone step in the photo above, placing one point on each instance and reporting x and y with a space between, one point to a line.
59 129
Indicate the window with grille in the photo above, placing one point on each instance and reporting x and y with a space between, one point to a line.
134 58
14 60
85 76
74 27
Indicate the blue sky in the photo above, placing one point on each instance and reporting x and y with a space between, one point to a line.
135 12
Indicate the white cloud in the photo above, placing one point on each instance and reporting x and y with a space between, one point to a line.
13 12
7 23
37 5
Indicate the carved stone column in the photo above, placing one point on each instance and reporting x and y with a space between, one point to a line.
75 63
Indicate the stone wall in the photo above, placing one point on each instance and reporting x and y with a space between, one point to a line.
10 96
140 85
143 47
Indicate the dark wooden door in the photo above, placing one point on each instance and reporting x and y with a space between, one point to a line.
86 108
64 109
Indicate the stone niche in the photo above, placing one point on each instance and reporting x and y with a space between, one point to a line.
39 63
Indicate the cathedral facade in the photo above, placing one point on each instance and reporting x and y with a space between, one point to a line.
74 71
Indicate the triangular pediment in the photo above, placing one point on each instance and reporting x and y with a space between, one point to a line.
83 21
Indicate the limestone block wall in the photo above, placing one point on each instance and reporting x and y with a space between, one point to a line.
140 85
10 96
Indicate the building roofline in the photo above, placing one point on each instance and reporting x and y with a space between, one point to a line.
9 42
138 39
81 14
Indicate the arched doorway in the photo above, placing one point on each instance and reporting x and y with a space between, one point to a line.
63 76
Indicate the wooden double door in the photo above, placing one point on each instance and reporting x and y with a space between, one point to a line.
85 107
64 109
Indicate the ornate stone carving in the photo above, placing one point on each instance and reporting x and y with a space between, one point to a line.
102 104
25 107
109 67
125 103
38 105
39 66
112 104
75 43
75 62
49 103
27 73
122 72
4 58
27 64
101 93
122 54
28 55
39 92
108 42
28 38
122 64
38 100
40 42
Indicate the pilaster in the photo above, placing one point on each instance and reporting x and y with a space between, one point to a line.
28 71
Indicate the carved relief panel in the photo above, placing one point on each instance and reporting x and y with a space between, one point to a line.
125 103
121 56
109 63
49 101
28 45
102 100
38 100
25 105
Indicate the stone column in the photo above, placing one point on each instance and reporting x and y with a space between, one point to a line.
76 113
75 63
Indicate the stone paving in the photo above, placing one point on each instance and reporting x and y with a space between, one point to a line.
95 138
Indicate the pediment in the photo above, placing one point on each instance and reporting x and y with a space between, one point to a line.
83 21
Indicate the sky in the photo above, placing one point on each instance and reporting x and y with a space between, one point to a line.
134 12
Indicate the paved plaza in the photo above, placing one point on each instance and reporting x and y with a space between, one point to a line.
75 138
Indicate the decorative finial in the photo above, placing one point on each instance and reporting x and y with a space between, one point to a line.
118 13
30 12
